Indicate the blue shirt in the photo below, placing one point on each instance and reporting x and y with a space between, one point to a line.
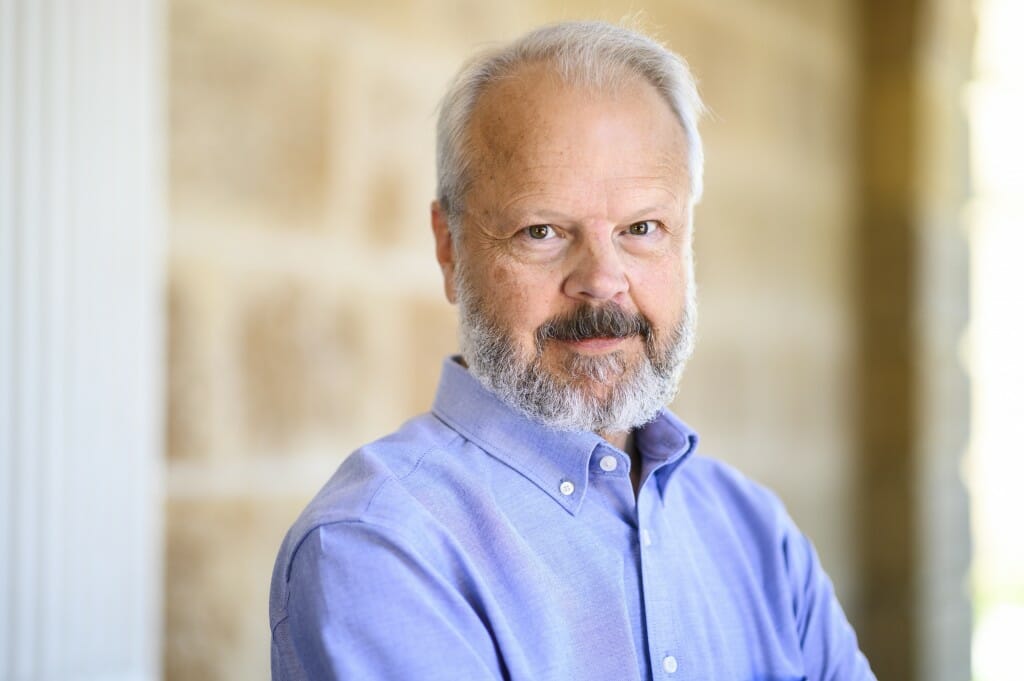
476 544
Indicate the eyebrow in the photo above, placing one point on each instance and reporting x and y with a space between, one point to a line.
547 214
657 208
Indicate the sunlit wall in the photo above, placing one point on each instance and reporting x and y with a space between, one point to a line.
306 315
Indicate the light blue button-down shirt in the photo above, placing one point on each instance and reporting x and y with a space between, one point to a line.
476 544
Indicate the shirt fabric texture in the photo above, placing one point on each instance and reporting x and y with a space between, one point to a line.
476 544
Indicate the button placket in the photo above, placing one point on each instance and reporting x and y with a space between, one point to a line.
645 537
661 629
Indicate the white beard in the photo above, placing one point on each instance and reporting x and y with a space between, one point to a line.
635 394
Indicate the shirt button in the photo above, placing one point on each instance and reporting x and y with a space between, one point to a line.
609 463
669 664
567 488
645 537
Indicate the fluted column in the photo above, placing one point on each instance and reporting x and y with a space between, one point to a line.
81 239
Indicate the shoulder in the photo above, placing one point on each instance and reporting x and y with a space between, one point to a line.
750 534
751 514
370 488
727 501
710 477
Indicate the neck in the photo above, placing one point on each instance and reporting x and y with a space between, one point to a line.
627 443
623 441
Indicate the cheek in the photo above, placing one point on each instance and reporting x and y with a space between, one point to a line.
523 297
661 292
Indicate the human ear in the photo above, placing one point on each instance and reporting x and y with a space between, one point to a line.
443 248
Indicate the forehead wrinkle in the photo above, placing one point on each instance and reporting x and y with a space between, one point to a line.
540 174
552 194
517 159
499 132
513 150
510 205
607 210
606 186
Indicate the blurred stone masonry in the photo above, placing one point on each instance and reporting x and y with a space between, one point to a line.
306 314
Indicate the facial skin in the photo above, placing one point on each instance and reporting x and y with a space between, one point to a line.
579 198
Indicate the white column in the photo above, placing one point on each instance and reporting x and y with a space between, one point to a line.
81 338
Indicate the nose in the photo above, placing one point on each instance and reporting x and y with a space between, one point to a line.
597 272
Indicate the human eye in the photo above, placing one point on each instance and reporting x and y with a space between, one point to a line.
539 232
642 228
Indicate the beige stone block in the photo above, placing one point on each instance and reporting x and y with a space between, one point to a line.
713 393
302 356
186 380
197 305
249 115
383 160
220 555
785 262
818 15
778 91
431 335
422 22
388 207
775 106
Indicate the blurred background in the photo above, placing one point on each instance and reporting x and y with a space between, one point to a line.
217 279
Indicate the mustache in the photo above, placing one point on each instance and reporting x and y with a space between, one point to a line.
586 322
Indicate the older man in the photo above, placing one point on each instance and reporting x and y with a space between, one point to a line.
549 518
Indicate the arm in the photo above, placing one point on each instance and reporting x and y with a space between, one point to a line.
827 640
362 604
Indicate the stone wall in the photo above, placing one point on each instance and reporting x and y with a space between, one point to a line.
306 314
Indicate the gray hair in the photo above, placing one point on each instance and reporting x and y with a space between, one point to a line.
582 53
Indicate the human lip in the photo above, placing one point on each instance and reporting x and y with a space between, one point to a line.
600 344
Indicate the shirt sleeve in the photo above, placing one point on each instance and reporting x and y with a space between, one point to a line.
363 605
827 640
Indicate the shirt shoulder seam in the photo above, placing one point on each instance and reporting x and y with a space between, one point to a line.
395 477
360 515
390 529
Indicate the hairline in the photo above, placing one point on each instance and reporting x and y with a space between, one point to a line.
604 71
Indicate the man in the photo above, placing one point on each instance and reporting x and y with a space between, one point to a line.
549 519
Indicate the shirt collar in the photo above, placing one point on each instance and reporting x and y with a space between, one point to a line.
665 443
549 458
